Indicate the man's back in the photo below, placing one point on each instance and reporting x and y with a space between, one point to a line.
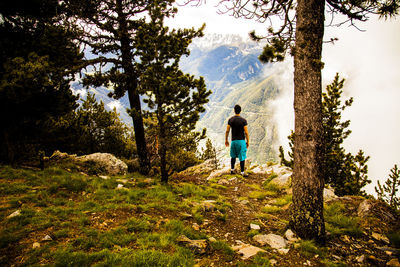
237 124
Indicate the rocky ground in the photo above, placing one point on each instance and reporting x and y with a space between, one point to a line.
67 217
259 214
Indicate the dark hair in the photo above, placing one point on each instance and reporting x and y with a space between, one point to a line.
238 109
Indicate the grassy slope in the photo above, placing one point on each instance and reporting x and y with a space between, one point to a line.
93 223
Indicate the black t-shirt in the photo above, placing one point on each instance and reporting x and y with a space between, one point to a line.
237 124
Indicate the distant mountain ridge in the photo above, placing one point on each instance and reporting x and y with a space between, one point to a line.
232 71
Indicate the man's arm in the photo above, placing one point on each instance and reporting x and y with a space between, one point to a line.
246 133
227 134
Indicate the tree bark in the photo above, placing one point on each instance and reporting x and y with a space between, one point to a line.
308 182
131 84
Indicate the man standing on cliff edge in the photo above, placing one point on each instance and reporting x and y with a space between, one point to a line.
238 145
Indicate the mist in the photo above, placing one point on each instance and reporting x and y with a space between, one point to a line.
369 61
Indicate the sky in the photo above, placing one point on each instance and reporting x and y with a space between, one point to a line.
369 60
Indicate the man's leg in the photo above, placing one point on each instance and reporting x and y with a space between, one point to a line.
233 161
242 166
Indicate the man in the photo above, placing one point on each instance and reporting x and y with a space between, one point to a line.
238 145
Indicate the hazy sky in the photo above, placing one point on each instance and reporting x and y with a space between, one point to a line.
370 62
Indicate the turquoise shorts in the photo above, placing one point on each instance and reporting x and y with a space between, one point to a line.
238 149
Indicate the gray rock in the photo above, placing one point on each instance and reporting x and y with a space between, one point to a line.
14 214
274 241
393 263
223 182
360 259
47 238
247 251
198 246
329 194
364 209
381 238
208 205
254 226
282 180
107 162
290 236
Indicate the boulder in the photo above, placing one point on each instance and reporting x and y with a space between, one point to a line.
106 162
219 173
102 163
329 194
283 180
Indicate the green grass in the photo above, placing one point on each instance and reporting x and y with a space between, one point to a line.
394 238
72 207
270 209
309 249
337 223
224 248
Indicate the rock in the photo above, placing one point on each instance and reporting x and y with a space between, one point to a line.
208 205
122 181
120 186
223 182
283 250
389 249
14 214
282 180
106 162
212 239
254 226
36 245
279 170
195 226
329 194
360 259
274 241
47 238
57 155
290 236
105 177
185 216
247 250
260 169
205 167
219 173
244 202
393 263
198 246
381 238
364 209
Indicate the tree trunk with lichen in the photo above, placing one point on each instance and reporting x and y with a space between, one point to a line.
308 182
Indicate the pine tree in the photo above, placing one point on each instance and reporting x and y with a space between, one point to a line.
175 99
110 29
38 58
210 153
388 192
346 173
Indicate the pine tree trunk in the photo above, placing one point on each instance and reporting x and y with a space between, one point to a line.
138 127
131 84
308 182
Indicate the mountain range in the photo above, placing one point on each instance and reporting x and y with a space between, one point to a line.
234 74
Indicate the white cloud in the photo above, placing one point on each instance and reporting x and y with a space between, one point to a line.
370 62
115 104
